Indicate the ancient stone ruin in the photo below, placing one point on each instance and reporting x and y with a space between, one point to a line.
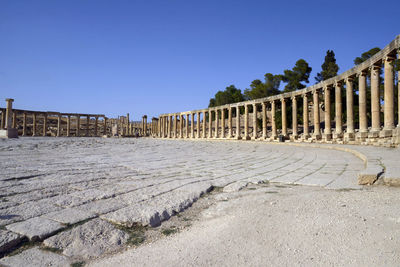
373 128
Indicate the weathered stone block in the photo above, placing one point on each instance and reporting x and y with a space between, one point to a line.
35 257
8 240
36 229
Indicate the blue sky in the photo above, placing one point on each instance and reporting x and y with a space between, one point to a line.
152 57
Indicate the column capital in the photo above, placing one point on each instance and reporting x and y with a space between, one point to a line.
362 73
316 91
282 99
349 79
375 66
10 100
389 58
338 83
293 97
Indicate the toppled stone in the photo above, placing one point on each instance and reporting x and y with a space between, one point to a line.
89 240
36 229
8 240
69 216
35 257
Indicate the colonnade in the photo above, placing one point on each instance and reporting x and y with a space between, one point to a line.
363 79
62 124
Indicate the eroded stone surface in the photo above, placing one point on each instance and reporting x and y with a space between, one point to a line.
69 216
36 257
36 228
89 240
8 240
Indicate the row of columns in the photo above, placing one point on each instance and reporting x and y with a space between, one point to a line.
168 123
45 115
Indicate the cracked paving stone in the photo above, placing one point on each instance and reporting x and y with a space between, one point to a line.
36 229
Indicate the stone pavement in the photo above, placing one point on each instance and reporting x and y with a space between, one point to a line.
69 193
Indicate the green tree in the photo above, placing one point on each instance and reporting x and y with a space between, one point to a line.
329 67
294 78
366 55
231 94
259 89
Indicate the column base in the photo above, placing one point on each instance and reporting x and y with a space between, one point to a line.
386 133
9 133
327 136
238 137
373 134
337 136
305 137
316 136
294 137
247 138
349 136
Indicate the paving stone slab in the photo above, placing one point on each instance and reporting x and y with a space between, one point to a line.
69 215
89 240
8 240
36 229
35 257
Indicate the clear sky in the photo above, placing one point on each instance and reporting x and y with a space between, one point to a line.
152 57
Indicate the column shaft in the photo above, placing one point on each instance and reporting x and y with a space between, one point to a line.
216 123
68 125
209 123
24 125
284 121
264 120
294 117
349 108
198 125
338 109
105 126
229 122
362 98
45 124
238 122
204 124
246 122
96 122
254 121
306 132
274 133
317 128
14 119
388 97
9 113
78 125
34 125
223 123
327 113
375 99
59 125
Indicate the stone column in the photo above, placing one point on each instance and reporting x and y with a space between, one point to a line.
274 133
238 123
192 125
96 123
264 120
68 125
59 125
349 135
181 124
88 125
375 105
254 121
34 125
78 125
229 122
176 126
105 126
14 120
3 118
168 126
222 123
127 125
338 110
388 98
24 125
145 125
210 123
8 113
216 124
306 132
204 124
362 98
327 99
246 122
187 124
284 121
294 117
198 125
44 124
317 128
